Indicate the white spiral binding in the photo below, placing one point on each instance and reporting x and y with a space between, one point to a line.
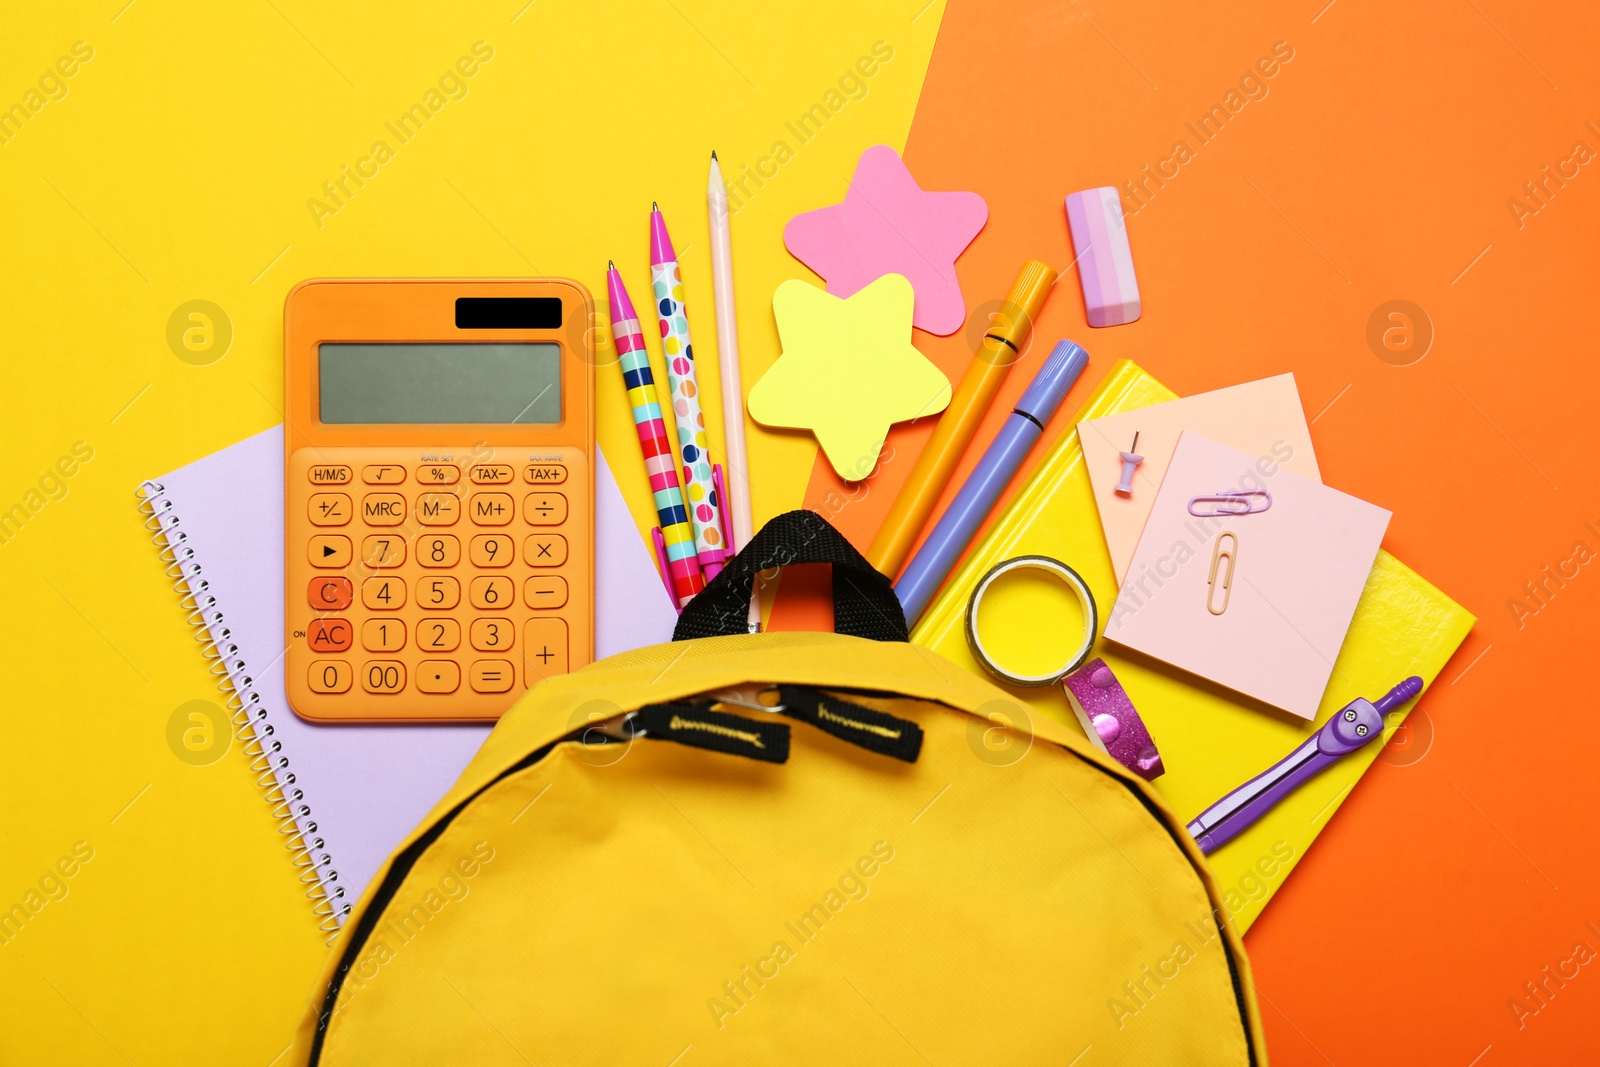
274 777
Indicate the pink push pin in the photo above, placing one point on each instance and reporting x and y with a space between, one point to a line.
1130 463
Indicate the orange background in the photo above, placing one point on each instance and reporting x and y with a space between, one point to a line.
1378 166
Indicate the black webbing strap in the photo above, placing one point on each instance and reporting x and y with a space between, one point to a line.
875 731
864 603
699 727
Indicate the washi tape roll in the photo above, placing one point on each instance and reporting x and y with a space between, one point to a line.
1074 580
1109 718
1102 706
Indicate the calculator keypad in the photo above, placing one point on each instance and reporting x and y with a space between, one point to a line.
442 587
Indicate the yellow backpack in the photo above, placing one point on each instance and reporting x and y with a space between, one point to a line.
787 847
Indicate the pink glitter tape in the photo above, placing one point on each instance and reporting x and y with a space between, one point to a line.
1108 717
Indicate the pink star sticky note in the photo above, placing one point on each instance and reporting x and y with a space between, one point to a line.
887 224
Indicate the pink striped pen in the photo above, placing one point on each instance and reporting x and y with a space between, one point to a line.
699 480
674 539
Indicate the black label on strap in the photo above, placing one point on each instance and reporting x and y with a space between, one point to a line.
694 725
875 731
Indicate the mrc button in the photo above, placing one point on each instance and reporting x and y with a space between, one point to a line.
544 474
383 509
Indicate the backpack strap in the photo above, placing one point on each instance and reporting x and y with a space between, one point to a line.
864 601
698 726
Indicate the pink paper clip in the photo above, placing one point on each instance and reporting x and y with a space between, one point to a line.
1230 502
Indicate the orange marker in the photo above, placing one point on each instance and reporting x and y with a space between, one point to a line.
995 356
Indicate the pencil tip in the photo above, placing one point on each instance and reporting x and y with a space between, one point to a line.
713 155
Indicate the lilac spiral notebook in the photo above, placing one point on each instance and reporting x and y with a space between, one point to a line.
349 793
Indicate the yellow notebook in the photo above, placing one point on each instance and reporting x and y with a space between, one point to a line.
1211 739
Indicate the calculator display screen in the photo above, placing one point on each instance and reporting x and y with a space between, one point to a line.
421 384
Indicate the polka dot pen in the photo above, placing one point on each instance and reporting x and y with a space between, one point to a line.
700 481
674 538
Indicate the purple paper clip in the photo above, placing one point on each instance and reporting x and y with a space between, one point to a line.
1230 502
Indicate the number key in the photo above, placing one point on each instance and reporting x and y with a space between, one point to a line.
492 550
328 676
383 594
383 676
438 594
383 635
494 591
383 550
438 635
492 635
438 550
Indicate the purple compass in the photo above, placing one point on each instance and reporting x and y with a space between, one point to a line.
1354 725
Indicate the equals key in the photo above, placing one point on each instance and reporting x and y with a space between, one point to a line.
492 675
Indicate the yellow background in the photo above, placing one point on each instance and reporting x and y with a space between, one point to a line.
177 167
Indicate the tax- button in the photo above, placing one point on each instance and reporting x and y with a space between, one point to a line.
329 635
328 509
438 509
544 473
330 593
490 473
544 591
545 509
329 550
383 509
492 509
329 474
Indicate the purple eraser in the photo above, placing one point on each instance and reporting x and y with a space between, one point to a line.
1105 262
1108 717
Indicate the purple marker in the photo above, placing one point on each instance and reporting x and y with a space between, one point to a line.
1355 724
932 564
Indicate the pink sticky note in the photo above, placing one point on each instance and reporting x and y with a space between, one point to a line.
887 224
1263 418
1287 581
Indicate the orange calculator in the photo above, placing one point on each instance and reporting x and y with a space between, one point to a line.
439 494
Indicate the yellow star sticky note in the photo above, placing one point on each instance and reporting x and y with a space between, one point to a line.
848 370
